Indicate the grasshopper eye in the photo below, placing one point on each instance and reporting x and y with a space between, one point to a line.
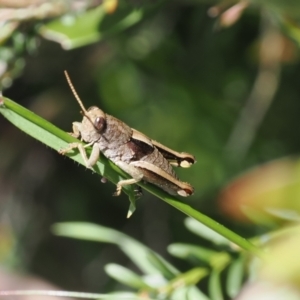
99 123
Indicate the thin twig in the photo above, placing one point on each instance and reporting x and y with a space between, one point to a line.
262 94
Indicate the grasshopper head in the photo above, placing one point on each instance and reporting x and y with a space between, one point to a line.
97 118
93 124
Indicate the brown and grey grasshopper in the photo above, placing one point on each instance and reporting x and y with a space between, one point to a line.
132 151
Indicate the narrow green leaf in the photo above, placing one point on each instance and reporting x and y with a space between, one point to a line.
142 256
205 232
126 276
208 222
218 260
214 286
188 278
13 294
192 252
188 293
164 268
235 276
147 260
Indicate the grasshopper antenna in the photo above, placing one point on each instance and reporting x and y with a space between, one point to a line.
75 93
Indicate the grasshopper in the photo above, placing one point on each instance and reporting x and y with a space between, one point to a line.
132 151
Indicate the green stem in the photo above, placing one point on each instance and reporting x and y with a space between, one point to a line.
210 223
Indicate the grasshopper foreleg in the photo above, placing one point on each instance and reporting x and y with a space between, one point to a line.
89 162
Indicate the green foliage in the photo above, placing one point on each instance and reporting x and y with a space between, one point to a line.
160 280
78 31
224 89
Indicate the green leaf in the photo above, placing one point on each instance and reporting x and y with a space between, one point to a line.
190 277
180 287
132 206
80 295
205 232
76 31
192 252
188 293
235 277
205 220
218 260
142 256
214 285
7 28
125 296
164 268
126 276
71 31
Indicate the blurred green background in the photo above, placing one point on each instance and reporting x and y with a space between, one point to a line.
224 88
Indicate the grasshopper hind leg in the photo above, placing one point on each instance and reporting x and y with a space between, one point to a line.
121 183
132 171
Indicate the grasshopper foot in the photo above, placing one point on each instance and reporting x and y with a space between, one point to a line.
138 192
118 191
68 149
